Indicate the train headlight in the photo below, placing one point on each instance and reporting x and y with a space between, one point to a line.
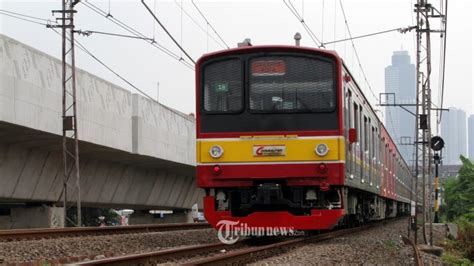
321 149
216 151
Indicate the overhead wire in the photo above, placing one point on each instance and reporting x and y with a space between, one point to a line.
443 61
200 26
26 18
131 30
295 12
209 24
322 25
168 33
335 24
90 32
401 30
355 51
85 50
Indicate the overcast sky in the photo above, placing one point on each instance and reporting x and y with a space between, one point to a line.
265 22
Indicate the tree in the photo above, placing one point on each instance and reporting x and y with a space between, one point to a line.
459 193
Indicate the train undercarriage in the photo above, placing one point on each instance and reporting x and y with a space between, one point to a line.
353 206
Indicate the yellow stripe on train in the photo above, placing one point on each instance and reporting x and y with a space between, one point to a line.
270 149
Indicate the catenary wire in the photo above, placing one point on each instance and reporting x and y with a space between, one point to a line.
131 30
443 65
402 30
89 32
167 32
199 26
127 28
24 17
355 50
85 50
134 32
295 12
209 24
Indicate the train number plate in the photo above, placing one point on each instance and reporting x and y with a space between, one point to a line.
269 150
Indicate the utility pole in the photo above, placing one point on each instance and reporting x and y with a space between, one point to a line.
70 141
424 12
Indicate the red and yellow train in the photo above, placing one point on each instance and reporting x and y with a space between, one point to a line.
286 138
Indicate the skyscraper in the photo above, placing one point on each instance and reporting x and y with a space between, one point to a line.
470 130
453 131
400 79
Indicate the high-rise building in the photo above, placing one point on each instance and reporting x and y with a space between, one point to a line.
470 130
453 131
400 79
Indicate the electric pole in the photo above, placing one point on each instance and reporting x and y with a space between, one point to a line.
70 141
424 12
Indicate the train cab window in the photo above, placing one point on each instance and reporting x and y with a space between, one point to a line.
223 86
291 84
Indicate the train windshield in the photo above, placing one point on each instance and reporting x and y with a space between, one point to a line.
223 86
291 84
277 84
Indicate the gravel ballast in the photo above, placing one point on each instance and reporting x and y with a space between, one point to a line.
376 246
90 247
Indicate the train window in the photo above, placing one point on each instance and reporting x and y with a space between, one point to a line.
291 84
223 86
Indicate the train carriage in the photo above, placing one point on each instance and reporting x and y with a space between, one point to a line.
285 138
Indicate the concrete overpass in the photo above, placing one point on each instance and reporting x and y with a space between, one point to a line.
134 152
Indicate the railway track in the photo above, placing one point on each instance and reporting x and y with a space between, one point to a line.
213 254
418 259
49 233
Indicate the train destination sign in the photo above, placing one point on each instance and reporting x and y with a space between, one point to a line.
268 68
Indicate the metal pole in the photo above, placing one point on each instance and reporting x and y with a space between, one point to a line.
72 3
418 51
436 187
64 140
69 109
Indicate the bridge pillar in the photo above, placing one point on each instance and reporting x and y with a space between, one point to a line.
32 217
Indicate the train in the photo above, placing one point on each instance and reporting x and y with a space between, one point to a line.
286 138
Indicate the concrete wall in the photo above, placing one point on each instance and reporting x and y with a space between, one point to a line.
37 175
30 96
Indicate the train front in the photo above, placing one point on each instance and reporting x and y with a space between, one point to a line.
270 144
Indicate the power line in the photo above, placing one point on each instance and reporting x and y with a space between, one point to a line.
209 24
89 32
24 15
401 30
85 50
443 61
355 50
131 30
167 32
126 27
26 18
198 25
295 12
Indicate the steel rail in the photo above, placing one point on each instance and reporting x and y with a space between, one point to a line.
232 257
26 234
155 257
417 253
255 253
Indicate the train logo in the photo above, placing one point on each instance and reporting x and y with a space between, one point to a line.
269 150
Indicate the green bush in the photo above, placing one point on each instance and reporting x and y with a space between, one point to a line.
459 207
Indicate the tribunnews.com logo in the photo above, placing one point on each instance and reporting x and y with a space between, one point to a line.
229 232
